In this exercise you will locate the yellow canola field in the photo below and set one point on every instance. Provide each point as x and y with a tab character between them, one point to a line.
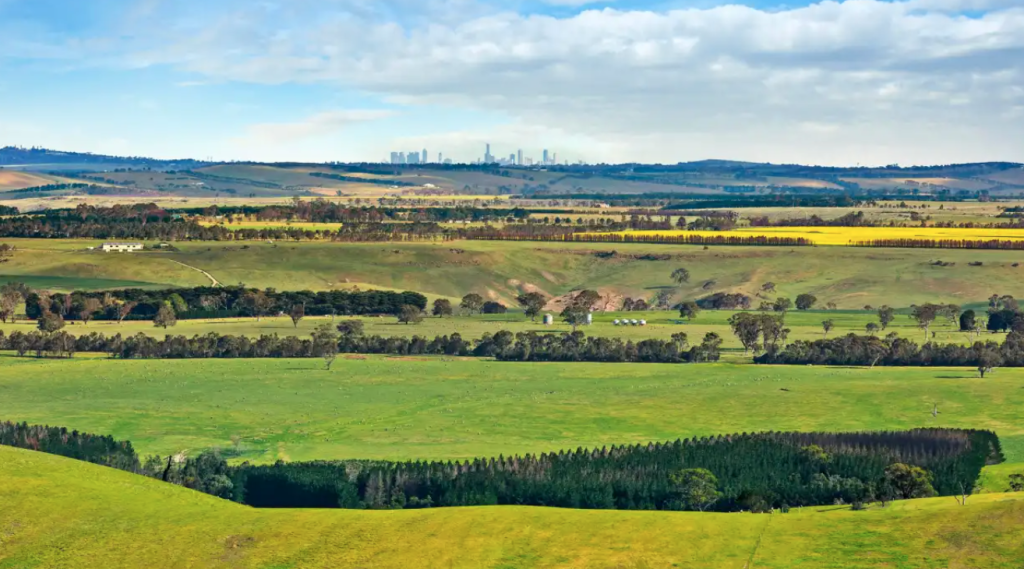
852	235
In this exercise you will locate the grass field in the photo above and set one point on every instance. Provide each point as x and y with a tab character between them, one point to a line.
852	235
850	277
64	514
438	408
16	180
660	324
59	513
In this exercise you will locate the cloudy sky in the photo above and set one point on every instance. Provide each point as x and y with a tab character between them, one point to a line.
860	81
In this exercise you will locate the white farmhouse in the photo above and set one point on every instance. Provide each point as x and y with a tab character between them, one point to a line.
121	247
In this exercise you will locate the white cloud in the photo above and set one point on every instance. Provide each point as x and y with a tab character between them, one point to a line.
852	81
320	124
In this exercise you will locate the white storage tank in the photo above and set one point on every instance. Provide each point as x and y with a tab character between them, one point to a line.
590	318
549	320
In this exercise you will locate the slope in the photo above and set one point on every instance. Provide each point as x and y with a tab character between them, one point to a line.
62	513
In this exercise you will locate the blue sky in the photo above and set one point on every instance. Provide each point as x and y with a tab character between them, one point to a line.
860	81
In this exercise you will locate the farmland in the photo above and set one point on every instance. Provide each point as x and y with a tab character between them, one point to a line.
804	325
48	500
853	235
443	408
850	277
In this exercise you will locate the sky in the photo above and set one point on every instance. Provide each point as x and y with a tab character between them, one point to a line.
838	83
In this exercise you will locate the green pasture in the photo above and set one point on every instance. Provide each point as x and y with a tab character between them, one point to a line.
803	325
449	408
60	513
850	277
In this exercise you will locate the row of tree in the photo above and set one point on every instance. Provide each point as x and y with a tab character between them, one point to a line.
208	302
756	472
895	351
753	472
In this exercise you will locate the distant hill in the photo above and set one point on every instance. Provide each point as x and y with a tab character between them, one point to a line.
134	175
15	157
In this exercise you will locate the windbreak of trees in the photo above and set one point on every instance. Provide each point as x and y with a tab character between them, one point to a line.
323	211
546	233
566	347
895	351
755	472
944	244
97	449
220	302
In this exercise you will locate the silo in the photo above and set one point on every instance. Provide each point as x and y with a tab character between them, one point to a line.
590	318
549	320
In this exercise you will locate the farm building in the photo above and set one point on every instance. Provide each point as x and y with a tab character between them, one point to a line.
118	247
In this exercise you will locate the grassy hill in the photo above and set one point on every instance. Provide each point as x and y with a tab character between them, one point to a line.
444	408
62	513
850	277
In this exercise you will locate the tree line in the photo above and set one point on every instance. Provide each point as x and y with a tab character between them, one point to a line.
756	472
753	472
348	337
895	351
211	302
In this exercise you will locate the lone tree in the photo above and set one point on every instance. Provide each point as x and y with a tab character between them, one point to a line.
586	299
697	488
325	343
827	326
782	304
710	348
681	276
871	328
905	482
806	301
988	360
442	307
1016	483
768	287
689	310
925	315
575	315
297	313
257	302
663	300
50	322
124	309
532	303
968	321
885	316
410	314
165	317
472	302
90	307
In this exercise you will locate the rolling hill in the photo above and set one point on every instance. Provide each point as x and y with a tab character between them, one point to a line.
60	513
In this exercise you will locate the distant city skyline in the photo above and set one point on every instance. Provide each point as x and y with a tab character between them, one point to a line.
516	158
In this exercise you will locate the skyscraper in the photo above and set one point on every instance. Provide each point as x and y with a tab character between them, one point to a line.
487	155
426	160
401	157
519	157
440	158
394	158
545	157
